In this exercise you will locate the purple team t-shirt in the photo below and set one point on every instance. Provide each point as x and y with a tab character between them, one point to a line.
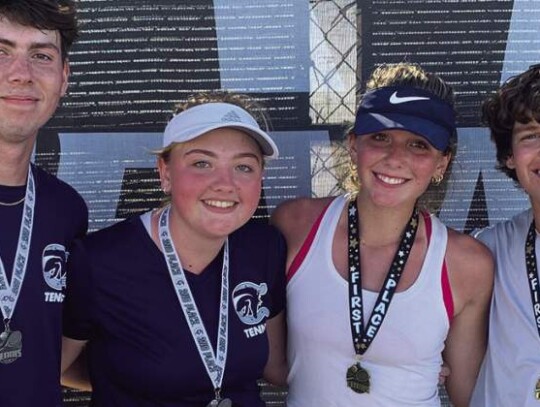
141	353
60	216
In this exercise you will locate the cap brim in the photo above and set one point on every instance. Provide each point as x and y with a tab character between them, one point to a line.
438	136
268	147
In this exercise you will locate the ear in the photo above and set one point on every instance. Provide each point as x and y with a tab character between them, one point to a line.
442	166
510	162
164	175
351	142
65	77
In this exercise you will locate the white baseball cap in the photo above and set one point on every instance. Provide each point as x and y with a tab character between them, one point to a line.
201	119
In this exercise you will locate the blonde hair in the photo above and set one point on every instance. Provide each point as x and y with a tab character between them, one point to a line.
409	74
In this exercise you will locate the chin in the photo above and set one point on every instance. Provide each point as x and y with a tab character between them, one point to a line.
224	231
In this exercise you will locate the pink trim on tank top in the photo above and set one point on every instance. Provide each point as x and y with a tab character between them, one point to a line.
445	282
302	253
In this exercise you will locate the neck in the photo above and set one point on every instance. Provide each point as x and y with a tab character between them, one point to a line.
195	252
382	226
14	161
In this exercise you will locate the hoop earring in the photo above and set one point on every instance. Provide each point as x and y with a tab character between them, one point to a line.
437	179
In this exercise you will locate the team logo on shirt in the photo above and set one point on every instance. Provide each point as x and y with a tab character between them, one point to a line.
54	271
247	300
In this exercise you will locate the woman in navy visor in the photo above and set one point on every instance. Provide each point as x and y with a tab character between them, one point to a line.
380	291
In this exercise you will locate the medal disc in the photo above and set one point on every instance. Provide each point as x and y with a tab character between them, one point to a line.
3	338
358	378
10	346
225	403
220	403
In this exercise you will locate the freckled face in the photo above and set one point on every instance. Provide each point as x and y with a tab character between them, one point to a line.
215	182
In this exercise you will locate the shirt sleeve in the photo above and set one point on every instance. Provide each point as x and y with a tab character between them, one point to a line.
486	236
79	301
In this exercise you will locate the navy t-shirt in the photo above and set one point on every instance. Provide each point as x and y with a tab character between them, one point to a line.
60	216
141	353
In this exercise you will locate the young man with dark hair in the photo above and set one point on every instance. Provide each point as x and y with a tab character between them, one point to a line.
510	374
40	215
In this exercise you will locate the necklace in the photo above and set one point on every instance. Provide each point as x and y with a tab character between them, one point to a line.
12	203
357	376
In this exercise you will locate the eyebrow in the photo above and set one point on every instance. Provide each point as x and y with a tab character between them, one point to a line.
212	154
33	45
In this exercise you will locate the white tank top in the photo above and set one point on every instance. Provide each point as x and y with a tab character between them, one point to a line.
511	366
403	360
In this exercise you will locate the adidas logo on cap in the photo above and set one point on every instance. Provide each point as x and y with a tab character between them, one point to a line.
232	116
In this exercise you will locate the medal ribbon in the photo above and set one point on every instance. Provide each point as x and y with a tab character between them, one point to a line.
362	338
214	363
532	272
9	293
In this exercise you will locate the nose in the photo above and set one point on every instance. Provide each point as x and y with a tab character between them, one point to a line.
396	154
20	70
224	180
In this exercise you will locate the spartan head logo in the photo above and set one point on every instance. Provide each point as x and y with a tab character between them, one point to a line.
54	266
247	300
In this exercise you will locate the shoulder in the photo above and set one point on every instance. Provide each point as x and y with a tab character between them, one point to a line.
124	234
298	215
44	179
53	188
506	230
466	248
470	267
65	208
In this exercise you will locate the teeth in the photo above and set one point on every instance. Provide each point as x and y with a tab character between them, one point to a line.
219	204
390	180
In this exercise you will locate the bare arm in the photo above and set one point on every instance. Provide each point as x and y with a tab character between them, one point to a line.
470	267
74	371
275	371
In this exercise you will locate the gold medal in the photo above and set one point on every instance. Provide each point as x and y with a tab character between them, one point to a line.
358	378
537	390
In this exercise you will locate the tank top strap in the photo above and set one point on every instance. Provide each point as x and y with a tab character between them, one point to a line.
437	232
321	233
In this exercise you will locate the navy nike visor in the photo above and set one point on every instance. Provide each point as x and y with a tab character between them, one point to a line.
406	108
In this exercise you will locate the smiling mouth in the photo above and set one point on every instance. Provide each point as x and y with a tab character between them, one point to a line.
20	99
220	204
390	180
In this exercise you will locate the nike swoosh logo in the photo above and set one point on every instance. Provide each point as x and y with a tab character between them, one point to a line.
396	100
